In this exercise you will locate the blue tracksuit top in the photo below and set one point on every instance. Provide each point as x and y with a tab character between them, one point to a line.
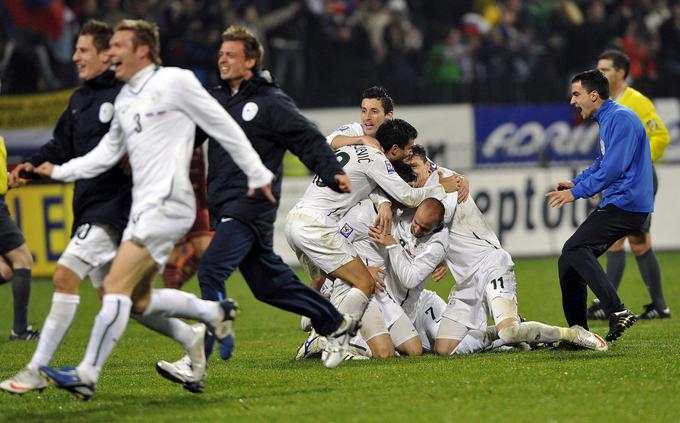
623	168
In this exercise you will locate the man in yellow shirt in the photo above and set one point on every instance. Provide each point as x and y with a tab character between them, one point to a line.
14	253
614	65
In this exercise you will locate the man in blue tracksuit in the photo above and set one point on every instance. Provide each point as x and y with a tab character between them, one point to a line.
623	173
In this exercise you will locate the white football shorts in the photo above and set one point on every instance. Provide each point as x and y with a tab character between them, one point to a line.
317	241
91	251
470	305
160	228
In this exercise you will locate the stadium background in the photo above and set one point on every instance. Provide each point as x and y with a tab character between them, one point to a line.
485	82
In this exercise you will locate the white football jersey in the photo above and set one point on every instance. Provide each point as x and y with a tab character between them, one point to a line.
350	130
471	239
354	226
367	168
155	117
411	262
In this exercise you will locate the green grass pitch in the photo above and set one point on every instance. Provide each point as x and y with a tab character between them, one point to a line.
638	379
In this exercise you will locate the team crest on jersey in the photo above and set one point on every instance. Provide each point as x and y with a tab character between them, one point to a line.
346	230
249	111
652	125
390	168
106	112
602	149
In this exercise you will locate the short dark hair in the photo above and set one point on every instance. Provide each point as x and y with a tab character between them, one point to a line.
593	80
379	93
101	34
395	131
619	59
251	47
144	34
419	151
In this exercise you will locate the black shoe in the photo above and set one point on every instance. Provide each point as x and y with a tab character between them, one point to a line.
619	322
652	312
28	335
595	311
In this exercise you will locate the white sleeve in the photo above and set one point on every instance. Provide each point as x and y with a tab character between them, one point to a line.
413	272
348	130
207	113
384	175
378	196
103	157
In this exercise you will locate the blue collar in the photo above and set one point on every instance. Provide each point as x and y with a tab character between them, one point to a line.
603	109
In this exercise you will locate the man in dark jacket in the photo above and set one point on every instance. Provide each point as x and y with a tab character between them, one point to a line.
244	225
100	205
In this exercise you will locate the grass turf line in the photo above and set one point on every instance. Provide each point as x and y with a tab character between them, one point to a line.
637	379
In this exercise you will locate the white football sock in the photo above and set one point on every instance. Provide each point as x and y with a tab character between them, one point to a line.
168	326
354	304
473	342
109	326
358	346
529	332
176	303
59	319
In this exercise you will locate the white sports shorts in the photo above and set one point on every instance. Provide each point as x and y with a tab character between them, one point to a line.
91	251
429	312
470	306
317	241
159	229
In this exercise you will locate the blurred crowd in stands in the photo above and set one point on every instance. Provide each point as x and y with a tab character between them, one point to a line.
324	52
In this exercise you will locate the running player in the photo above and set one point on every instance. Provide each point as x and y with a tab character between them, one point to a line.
155	117
100	205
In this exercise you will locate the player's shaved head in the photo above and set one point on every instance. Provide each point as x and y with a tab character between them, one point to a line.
428	217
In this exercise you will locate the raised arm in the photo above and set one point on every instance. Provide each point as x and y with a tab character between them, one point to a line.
207	113
103	157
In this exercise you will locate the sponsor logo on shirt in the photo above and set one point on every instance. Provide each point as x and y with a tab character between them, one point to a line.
390	168
343	128
346	230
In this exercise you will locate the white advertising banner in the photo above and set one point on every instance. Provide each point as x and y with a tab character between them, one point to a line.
514	204
447	131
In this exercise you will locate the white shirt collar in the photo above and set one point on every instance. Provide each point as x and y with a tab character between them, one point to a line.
141	76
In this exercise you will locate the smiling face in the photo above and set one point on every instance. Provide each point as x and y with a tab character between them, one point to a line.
125	57
373	115
232	62
420	168
585	102
89	62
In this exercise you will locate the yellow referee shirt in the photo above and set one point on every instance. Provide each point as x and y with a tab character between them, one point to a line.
3	167
644	108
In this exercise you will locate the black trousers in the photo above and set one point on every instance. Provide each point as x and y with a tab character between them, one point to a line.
578	265
269	278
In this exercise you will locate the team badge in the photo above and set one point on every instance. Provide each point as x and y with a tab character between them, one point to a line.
106	112
652	125
390	168
602	149
249	111
346	230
